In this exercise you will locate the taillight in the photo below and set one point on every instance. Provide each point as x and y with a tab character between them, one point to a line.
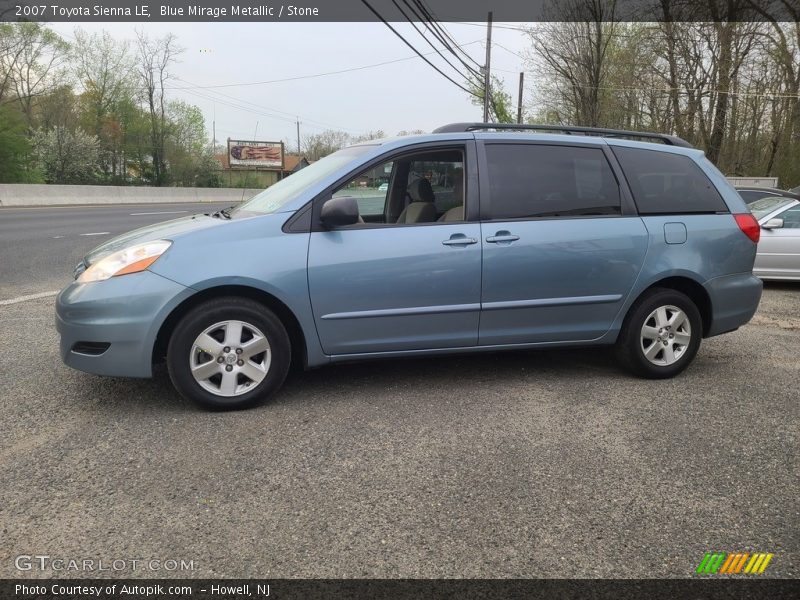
749	226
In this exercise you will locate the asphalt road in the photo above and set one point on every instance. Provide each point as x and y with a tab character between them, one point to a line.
526	464
40	246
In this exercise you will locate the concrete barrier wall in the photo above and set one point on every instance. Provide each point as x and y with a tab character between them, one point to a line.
20	194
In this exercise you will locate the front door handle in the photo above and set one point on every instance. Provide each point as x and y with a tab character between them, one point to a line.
459	239
502	237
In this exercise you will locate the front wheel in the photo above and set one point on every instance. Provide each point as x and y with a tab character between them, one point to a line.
228	353
661	334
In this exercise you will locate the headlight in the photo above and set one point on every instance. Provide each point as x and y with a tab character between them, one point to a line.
130	260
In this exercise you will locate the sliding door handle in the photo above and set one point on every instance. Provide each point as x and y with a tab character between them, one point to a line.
502	237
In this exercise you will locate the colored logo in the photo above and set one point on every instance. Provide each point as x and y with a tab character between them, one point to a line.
734	563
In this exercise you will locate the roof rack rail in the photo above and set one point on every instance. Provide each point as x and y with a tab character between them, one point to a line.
670	140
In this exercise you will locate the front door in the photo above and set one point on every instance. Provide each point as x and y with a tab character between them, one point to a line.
408	277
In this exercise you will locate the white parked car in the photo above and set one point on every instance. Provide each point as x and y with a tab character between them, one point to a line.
778	255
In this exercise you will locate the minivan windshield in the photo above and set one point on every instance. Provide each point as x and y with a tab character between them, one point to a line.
277	195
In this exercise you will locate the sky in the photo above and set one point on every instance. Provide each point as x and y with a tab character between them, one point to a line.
403	95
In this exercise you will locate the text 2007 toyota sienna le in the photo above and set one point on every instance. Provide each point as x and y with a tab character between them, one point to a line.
472	238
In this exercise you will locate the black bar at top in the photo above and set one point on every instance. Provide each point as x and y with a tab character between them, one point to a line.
357	10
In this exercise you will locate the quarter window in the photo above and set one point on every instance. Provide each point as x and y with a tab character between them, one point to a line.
663	183
538	180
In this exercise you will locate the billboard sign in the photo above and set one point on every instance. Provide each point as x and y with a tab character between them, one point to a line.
263	155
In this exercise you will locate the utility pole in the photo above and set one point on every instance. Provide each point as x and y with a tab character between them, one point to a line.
487	69
214	130
298	136
519	102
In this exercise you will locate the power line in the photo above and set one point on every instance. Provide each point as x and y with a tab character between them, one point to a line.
510	51
438	26
236	106
407	43
422	35
264	110
337	72
314	75
425	17
261	107
510	27
245	108
255	111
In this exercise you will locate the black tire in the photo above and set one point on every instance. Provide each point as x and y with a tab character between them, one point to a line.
630	347
207	314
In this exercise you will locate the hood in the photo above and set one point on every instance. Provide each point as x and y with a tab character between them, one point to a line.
166	230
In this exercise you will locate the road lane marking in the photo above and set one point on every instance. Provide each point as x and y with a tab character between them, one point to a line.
97	233
19	299
164	212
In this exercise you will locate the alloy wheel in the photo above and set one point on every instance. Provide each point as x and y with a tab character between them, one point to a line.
230	358
665	336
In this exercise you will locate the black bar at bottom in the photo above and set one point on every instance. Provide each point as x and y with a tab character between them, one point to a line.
706	588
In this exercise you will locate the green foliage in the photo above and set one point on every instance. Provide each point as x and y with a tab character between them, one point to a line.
15	149
500	106
187	152
92	112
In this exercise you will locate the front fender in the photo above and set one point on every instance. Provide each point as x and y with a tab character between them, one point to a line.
253	253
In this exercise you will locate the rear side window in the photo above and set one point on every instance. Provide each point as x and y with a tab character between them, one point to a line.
666	184
537	180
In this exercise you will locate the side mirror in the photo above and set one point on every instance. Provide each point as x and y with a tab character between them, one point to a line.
775	223
338	212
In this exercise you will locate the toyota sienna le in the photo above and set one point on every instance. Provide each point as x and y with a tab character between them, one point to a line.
477	237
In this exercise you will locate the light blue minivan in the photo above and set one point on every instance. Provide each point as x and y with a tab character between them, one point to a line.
477	237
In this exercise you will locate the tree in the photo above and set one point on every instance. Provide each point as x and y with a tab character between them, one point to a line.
59	108
708	71
155	57
67	156
187	150
500	107
104	67
573	56
784	41
31	57
317	145
370	135
15	148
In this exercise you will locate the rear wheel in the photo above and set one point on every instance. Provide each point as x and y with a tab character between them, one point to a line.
661	334
228	353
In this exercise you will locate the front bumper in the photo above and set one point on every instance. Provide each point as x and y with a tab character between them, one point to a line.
124	312
734	301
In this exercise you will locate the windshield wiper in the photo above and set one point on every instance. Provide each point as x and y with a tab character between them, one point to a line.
223	212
